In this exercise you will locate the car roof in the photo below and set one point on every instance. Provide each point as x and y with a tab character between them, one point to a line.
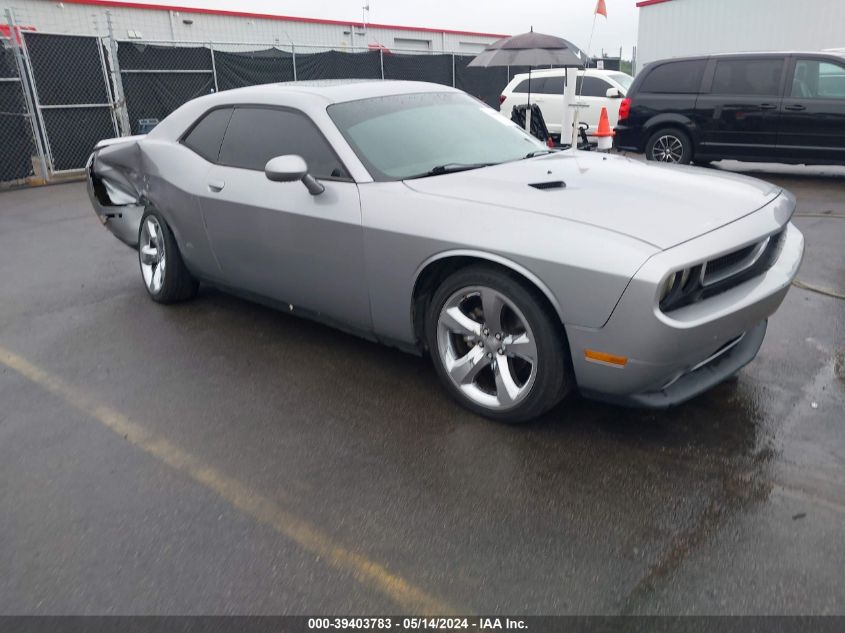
772	53
840	53
336	90
557	72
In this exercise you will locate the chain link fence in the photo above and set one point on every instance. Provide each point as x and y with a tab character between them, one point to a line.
72	95
60	94
157	79
18	152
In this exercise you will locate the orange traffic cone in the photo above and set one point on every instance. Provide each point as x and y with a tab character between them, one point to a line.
604	133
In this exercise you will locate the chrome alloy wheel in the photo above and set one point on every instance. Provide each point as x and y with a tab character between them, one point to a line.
487	347
152	254
668	148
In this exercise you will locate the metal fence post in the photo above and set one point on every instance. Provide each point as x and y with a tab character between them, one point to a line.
117	82
111	99
453	71
293	58
381	60
26	88
213	67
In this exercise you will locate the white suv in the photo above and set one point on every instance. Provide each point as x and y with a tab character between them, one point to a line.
547	92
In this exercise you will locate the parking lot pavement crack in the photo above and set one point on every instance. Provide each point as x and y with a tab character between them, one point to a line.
248	501
746	484
738	491
818	289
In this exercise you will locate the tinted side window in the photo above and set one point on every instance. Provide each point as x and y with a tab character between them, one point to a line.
747	77
206	136
815	79
675	77
255	135
552	85
536	85
593	87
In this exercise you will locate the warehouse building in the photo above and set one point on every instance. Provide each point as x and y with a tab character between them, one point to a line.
73	72
675	28
146	21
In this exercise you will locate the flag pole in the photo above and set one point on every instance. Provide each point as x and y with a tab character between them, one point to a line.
578	96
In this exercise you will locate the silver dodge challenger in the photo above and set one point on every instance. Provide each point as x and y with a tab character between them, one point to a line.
412	214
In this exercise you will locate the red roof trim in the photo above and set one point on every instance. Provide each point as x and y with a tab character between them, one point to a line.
269	16
6	32
646	3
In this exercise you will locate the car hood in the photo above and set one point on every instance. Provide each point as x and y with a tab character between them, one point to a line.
662	205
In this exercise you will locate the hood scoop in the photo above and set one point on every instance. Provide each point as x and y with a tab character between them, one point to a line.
545	186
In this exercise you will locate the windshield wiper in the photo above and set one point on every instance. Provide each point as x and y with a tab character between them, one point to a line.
539	152
450	168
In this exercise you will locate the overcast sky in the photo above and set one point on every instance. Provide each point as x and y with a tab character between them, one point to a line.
570	19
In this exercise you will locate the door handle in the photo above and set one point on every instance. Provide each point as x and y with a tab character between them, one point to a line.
216	185
795	108
768	106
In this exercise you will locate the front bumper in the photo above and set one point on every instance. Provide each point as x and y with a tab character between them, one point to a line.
673	357
713	370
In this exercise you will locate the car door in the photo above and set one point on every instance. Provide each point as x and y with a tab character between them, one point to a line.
275	239
812	118
739	107
538	96
593	97
550	99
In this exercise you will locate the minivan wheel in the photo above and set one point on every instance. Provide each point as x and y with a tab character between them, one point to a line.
669	145
495	346
165	275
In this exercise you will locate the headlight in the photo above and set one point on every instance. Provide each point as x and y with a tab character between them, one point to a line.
667	286
679	288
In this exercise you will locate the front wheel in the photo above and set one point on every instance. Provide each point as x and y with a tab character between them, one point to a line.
669	146
165	275
495	346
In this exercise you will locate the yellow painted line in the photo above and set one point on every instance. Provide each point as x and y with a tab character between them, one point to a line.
248	501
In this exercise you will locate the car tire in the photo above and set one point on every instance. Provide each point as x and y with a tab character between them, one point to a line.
669	145
513	378
165	275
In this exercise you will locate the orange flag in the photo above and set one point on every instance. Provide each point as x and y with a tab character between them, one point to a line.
601	8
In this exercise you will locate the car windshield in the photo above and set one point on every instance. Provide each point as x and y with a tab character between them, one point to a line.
623	79
412	135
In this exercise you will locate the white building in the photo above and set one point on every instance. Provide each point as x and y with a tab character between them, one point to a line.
163	22
675	28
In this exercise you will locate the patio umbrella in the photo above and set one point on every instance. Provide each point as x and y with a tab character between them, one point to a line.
531	49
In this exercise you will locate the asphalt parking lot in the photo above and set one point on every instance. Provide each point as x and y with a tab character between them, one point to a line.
219	457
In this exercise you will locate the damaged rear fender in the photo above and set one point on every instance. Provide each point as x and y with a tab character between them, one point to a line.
116	186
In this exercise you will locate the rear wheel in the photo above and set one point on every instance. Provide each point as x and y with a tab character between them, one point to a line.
495	346
669	145
165	275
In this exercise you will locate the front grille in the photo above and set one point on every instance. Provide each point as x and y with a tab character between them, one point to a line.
762	257
725	272
727	265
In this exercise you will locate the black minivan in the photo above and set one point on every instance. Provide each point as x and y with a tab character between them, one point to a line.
763	107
